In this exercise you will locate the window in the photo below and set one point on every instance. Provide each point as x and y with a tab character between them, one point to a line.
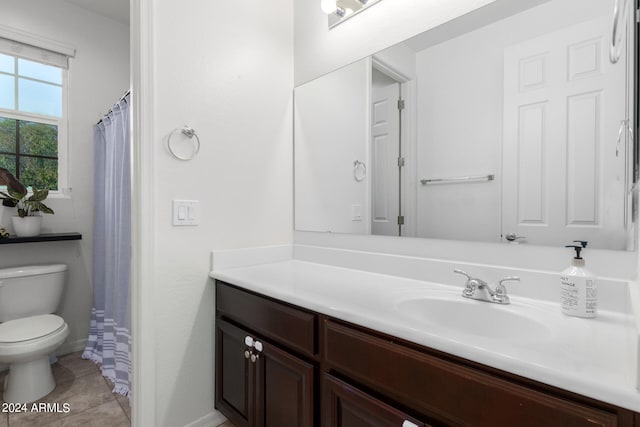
32	122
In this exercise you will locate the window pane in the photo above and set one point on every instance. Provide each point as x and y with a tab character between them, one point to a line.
7	135
38	139
39	71
39	98
7	63
7	92
8	162
39	173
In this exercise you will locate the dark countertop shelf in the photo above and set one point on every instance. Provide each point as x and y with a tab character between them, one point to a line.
51	237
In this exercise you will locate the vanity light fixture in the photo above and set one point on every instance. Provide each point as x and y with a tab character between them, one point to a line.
340	10
328	6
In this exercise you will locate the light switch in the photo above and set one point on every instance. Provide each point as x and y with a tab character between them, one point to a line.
186	212
356	212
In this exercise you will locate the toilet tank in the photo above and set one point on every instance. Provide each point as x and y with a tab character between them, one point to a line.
30	290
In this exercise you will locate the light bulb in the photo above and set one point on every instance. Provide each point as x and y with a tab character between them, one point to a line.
328	6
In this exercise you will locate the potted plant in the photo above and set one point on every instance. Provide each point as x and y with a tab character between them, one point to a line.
28	221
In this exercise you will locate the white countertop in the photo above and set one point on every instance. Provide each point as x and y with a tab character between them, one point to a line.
592	357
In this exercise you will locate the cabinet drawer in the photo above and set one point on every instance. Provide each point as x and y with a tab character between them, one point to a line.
346	406
291	327
444	391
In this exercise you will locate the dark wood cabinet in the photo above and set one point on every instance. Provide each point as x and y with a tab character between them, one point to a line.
344	405
234	390
447	392
260	379
278	365
284	389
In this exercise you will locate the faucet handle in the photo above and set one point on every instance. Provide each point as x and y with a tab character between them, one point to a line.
470	284
501	289
463	273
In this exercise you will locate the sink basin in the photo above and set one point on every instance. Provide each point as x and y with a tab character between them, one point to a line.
505	322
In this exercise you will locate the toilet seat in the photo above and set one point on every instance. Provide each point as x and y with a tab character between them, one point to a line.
29	328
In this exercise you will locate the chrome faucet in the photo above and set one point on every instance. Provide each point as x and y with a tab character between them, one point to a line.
479	289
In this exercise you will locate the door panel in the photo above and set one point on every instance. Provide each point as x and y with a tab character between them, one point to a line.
385	150
284	389
563	104
233	386
346	406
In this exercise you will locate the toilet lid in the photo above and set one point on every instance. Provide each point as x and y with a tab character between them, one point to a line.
29	328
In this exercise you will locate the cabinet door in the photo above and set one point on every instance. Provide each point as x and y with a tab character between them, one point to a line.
345	406
448	392
284	389
233	375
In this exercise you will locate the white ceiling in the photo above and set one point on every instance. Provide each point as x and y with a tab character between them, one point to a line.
117	10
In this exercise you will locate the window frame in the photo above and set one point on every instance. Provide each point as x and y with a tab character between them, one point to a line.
64	188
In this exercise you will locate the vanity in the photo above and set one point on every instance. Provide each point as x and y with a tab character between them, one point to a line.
306	344
476	140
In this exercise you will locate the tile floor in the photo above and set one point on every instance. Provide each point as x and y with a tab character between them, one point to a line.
88	393
91	402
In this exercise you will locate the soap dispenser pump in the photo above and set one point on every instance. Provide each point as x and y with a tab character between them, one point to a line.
578	293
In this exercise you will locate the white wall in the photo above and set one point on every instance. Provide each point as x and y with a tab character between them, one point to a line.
226	70
332	131
400	58
319	50
98	76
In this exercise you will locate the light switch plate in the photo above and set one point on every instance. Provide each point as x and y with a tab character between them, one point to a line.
186	212
356	212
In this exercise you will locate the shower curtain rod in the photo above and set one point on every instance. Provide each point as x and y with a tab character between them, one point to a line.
122	98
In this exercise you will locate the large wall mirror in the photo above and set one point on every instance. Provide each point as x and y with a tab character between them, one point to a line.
510	124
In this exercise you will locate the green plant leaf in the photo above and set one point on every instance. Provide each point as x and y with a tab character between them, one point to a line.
44	208
22	212
15	195
11	203
38	195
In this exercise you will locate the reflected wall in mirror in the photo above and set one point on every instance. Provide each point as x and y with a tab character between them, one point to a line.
508	124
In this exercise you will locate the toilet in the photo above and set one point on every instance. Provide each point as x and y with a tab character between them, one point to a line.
29	331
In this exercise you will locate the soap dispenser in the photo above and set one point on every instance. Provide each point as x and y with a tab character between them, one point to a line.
578	293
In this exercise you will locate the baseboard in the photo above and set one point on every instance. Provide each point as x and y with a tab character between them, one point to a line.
212	419
71	347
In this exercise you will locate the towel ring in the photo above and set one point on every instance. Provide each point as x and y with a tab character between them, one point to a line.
189	132
359	170
620	11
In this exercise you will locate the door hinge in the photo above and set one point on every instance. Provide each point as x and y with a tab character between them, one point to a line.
400	219
400	104
400	162
637	16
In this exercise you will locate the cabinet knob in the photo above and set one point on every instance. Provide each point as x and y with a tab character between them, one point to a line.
258	346
408	423
248	341
247	353
254	357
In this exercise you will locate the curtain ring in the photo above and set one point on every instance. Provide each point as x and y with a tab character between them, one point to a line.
359	170
190	133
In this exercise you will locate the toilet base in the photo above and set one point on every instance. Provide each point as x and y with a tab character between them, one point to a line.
29	381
